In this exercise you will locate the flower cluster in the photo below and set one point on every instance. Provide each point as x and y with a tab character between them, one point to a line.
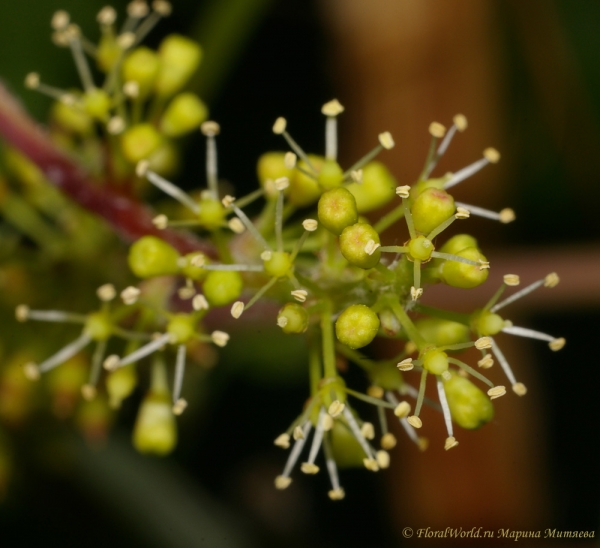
338	282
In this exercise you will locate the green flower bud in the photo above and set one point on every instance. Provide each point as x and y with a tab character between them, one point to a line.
357	326
72	118
279	264
212	213
420	248
354	242
141	66
190	268
99	326
457	243
377	188
139	142
462	275
346	450
385	375
469	406
271	166
443	332
389	323
120	384
486	323
330	174
96	103
182	328
435	361
165	159
222	287
185	113
337	210
179	58
431	208
293	318
155	430
305	190
150	256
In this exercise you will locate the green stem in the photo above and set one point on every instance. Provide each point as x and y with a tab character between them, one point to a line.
328	340
356	357
389	219
314	366
406	323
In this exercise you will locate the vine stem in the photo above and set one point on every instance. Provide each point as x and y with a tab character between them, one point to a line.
129	218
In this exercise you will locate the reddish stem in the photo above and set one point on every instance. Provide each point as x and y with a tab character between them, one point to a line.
130	219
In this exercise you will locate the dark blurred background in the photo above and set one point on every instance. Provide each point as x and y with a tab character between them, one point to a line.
527	76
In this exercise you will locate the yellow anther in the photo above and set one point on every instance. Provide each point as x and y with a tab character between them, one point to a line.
137	9
300	295
491	155
405	365
423	444
111	362
32	80
410	347
309	468
236	225
162	7
130	294
483	343
298	433
126	40
367	430
462	213
310	225
199	302
371	247
403	191
460	121
220	338
402	410
507	215
332	108
289	160
519	389
415	421
327	423
279	125
557	344
388	441
107	16
282	321
415	293
266	255
484	265
383	459
283	441
22	313
336	494
60	20
210	128
115	125
357	176
237	309
131	89
336	408
106	292
282	482
282	183
228	200
437	130
551	280
375	392
31	371
496	392
142	168
371	464
179	406
386	140
88	392
511	279
486	362
450	443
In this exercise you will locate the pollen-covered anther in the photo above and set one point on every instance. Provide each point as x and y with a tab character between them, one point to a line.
388	441
332	108
327	423
310	225
282	482
106	16
484	265
237	309
557	344
437	130
402	410
367	430
227	201
357	176
383	459
137	9
415	421
31	371
22	313
309	468
491	155
283	441
512	279
130	295
386	140
486	362
131	89
415	292
187	292
519	389
279	125
371	464
460	121
106	292
60	20
462	213
210	128
336	494
507	215
551	280
235	225
160	221
179	406
483	343
111	362
496	392
371	247
88	392
375	392
266	255
403	191
32	80
336	408
162	7
142	168
126	40
300	295
450	443
282	183
289	160
220	338
199	302
115	125
298	433
405	365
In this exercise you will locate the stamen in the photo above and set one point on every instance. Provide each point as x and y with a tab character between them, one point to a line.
237	309
470	371
383	459
296	450
367	430
402	410
455	258
443	226
496	392
283	441
290	160
385	141
72	33
236	225
310	225
357	433
486	362
141	352
405	365
65	353
511	279
106	16
371	247
404	422
24	313
516	296
250	226
357	176
415	421
503	363
160	221
403	191
235	267
551	280
106	292
507	215
416	292
298	433
375	392
199	302
445	409
300	295
220	338
282	482
166	186
519	389
89	390
115	125
529	333
437	130
60	20
557	344
179	372
161	8
336	493
388	441
336	408
310	467
210	129
468	171
259	293
450	443
130	295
